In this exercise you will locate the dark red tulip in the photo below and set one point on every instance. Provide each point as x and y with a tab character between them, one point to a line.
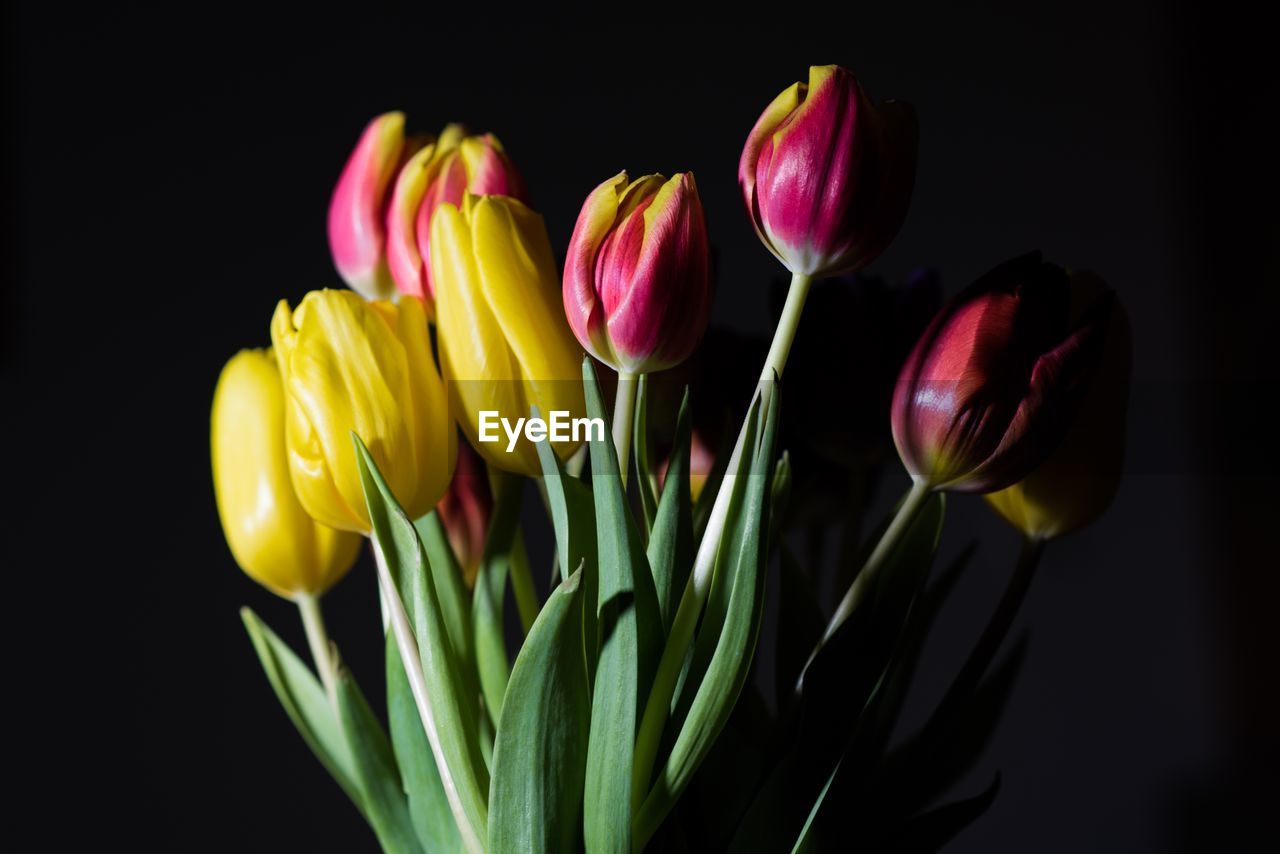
987	391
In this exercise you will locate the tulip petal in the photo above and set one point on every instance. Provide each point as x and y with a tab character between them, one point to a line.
403	257
356	210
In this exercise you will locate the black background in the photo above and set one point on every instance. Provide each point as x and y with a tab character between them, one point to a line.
168	174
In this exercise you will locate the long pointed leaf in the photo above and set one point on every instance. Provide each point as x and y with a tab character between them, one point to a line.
428	804
630	638
671	543
539	756
305	702
573	515
733	646
376	770
426	653
491	583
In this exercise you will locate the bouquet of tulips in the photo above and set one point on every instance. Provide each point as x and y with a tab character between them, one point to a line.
415	408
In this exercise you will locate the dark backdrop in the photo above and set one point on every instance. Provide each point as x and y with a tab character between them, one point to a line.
168	174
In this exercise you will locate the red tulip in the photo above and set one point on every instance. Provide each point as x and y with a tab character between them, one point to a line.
637	281
827	175
984	396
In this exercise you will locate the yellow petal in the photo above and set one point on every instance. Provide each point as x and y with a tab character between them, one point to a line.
271	537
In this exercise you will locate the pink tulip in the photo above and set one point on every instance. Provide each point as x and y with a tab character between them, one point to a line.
987	391
827	175
441	174
357	209
637	282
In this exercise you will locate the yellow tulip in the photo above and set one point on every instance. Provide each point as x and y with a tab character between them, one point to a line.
351	366
505	344
272	538
1077	481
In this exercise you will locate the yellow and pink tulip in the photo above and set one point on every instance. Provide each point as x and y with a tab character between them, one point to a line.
827	175
439	174
637	280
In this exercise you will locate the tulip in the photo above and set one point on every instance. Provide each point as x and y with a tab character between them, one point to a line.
357	210
827	175
465	511
271	537
504	343
1076	483
984	396
351	366
637	283
440	174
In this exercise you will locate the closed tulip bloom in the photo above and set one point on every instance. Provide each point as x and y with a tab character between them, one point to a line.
440	174
357	209
637	282
987	391
1077	481
351	366
465	511
271	537
827	175
504	343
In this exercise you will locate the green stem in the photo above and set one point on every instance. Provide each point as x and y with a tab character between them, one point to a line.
318	640
785	334
658	706
866	577
624	407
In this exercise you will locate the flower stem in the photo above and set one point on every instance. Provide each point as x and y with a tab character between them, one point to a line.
318	640
785	333
866	577
624	408
658	706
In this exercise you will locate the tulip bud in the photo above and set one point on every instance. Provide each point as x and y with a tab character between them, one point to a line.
465	511
441	174
1077	481
357	210
504	343
827	175
272	538
984	396
637	283
351	366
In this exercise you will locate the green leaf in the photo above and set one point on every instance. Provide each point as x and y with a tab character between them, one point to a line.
431	668
451	587
630	639
806	842
305	702
727	641
428	804
376	770
491	583
539	757
646	480
455	606
671	543
573	515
